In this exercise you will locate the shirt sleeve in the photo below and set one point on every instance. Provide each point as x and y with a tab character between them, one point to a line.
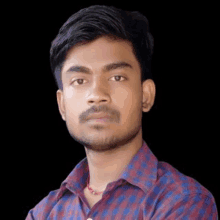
196	206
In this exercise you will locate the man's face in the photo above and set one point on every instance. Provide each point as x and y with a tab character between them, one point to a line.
117	92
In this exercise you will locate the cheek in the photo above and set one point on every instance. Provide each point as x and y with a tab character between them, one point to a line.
128	102
73	100
68	92
70	105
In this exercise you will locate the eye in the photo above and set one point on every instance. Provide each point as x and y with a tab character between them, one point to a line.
80	80
118	76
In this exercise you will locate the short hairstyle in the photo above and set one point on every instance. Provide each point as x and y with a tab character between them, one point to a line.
96	21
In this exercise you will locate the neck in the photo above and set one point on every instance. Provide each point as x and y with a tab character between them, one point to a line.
106	167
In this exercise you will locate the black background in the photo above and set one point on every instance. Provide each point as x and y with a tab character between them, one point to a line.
180	129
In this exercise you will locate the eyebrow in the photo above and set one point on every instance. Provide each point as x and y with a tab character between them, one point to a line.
106	68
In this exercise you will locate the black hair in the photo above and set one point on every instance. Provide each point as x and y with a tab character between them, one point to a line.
95	21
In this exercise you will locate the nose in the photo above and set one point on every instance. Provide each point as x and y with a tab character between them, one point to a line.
99	94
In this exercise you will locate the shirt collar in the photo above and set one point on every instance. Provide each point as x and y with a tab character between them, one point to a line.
141	172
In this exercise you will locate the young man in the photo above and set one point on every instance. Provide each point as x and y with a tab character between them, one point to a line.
101	62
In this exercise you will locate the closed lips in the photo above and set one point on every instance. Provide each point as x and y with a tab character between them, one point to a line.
98	116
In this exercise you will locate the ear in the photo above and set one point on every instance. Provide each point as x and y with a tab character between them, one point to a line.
61	104
149	92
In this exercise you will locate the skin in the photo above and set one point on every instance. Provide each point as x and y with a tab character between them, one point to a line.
109	146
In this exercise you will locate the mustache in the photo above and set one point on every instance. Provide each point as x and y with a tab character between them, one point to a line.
115	115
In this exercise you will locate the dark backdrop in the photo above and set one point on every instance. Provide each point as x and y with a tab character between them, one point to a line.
181	128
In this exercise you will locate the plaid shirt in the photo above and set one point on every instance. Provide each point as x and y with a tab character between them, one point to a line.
147	189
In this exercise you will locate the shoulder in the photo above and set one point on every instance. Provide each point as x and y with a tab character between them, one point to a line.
43	208
174	180
176	195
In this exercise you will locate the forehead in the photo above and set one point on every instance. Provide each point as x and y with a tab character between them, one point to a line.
100	52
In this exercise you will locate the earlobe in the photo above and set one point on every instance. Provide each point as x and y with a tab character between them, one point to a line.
146	107
60	103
